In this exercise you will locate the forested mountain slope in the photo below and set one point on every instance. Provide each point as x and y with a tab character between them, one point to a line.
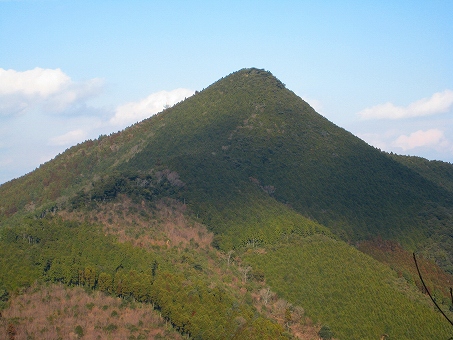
437	172
239	190
248	132
248	135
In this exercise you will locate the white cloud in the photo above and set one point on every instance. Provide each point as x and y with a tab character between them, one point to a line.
69	138
51	90
42	82
438	103
420	138
136	111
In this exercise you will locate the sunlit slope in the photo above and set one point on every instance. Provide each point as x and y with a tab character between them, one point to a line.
358	297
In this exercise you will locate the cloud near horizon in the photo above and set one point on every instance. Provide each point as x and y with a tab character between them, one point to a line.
420	138
439	102
49	89
136	111
69	138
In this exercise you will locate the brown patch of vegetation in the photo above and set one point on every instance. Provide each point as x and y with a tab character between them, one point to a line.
59	312
268	303
144	225
401	260
292	318
166	224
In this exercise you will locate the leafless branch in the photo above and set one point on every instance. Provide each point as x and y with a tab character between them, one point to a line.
427	291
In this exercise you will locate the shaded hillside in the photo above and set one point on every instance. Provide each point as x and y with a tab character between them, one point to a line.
249	130
440	173
438	219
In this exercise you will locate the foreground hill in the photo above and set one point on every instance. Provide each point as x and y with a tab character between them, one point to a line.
276	184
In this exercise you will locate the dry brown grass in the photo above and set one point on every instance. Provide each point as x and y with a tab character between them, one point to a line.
275	308
59	312
165	224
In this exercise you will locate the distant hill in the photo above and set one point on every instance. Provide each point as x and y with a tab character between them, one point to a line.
274	182
438	172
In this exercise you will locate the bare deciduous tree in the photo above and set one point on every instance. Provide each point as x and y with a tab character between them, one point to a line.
229	256
245	271
265	294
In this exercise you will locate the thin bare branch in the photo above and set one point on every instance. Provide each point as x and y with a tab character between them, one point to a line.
427	291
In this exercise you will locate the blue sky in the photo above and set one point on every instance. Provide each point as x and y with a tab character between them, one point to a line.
72	70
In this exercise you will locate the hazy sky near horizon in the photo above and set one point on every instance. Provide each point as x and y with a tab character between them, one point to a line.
72	70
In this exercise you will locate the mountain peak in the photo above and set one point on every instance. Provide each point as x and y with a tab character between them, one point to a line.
253	75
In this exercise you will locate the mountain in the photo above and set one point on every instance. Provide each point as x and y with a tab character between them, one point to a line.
441	173
252	165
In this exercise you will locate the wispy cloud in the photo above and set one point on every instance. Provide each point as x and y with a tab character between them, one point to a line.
49	89
44	111
427	137
438	103
420	138
69	138
135	111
